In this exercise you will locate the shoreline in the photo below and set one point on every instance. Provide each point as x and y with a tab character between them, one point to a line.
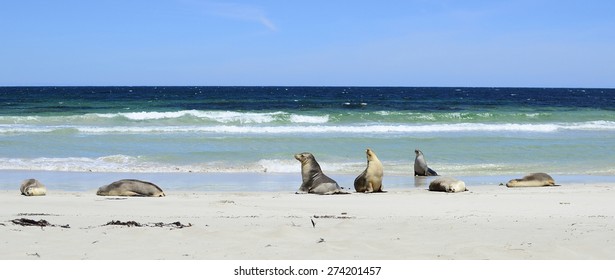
573	221
249	181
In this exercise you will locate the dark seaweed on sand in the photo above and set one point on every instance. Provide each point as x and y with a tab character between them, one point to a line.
40	223
136	224
119	223
332	217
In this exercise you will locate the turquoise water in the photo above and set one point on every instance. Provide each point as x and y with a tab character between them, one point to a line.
462	132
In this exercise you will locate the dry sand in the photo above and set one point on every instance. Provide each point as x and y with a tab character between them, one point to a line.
488	222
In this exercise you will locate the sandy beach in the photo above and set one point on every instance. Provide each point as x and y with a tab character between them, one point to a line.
573	221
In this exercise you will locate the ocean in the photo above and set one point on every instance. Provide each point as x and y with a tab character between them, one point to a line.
222	131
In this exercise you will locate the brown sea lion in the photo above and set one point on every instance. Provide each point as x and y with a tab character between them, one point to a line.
130	187
371	179
420	165
313	180
32	187
447	184
532	180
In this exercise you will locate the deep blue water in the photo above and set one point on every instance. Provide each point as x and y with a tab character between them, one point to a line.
69	100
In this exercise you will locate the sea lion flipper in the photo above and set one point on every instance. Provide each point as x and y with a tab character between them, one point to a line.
131	193
431	172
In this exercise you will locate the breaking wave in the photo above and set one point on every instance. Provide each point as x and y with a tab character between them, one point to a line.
314	129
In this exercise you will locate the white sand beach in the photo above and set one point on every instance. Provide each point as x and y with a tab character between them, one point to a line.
573	221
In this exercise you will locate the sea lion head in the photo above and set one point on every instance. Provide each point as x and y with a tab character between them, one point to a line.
28	191
514	183
304	158
371	155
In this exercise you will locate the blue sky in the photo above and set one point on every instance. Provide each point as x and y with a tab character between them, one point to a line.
308	43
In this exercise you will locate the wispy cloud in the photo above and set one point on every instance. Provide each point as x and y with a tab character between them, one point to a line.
238	11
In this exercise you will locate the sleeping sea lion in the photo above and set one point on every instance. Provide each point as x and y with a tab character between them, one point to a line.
313	180
371	179
447	184
420	165
32	187
130	187
532	180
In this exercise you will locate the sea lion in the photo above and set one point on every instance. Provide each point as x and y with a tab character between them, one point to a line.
447	184
130	187
532	180
420	165
32	187
313	180
371	179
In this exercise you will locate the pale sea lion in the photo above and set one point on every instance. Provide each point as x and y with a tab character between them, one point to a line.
371	179
420	165
532	180
447	184
313	180
32	187
130	187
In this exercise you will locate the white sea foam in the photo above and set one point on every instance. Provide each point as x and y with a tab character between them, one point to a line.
309	119
319	129
127	164
19	129
280	166
123	163
218	116
112	163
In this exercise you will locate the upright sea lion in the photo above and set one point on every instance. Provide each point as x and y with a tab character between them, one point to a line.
313	180
447	184
532	180
420	165
371	179
32	187
130	187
